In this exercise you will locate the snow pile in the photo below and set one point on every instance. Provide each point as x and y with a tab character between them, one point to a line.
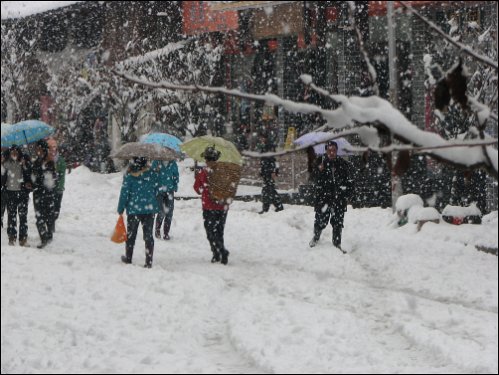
458	211
404	202
417	214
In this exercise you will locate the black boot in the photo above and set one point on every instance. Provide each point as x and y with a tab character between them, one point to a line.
42	244
337	238
127	258
166	231
225	257
216	257
149	252
265	208
316	238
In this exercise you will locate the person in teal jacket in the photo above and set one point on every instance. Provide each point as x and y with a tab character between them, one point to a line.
168	185
138	198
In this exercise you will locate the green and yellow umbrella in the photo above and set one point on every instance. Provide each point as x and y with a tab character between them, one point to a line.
196	146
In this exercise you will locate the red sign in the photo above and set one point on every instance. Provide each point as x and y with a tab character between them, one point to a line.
198	18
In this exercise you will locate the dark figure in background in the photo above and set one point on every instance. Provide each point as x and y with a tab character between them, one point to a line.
100	144
311	164
168	178
60	166
138	196
242	140
334	186
4	181
214	214
17	171
44	178
269	170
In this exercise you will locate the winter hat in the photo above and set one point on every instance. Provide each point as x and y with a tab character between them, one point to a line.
15	148
211	154
331	143
44	146
137	164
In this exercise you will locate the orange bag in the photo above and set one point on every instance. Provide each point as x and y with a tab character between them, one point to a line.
119	235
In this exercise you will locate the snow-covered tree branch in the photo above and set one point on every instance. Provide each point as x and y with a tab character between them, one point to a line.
353	111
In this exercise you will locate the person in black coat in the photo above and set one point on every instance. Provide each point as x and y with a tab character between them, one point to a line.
4	184
44	178
269	171
16	180
333	188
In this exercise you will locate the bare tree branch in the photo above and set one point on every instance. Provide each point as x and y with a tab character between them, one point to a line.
370	67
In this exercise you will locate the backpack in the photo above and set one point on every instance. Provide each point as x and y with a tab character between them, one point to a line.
223	179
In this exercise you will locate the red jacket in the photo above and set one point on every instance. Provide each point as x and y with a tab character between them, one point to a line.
201	187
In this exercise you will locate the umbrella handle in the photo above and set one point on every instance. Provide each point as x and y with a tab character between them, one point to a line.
26	138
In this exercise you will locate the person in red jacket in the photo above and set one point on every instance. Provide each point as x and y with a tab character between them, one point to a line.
214	214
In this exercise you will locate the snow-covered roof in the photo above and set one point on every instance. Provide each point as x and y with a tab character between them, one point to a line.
20	9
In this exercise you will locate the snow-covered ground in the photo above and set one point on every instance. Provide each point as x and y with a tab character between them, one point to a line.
400	301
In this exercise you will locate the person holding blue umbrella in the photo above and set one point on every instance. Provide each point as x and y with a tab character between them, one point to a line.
44	178
168	178
16	175
25	132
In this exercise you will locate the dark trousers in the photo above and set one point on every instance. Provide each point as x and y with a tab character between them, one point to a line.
133	221
214	223
43	201
17	205
4	202
167	204
333	213
270	196
57	204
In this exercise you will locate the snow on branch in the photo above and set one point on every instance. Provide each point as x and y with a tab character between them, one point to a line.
363	110
137	60
466	49
384	150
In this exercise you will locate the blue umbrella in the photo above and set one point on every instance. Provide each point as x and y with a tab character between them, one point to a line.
165	140
25	132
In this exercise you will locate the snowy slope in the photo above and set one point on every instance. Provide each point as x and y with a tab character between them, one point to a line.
401	301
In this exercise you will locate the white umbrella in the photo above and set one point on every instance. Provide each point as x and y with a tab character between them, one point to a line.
314	137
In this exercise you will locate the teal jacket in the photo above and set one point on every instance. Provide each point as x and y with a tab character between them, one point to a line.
138	193
168	176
